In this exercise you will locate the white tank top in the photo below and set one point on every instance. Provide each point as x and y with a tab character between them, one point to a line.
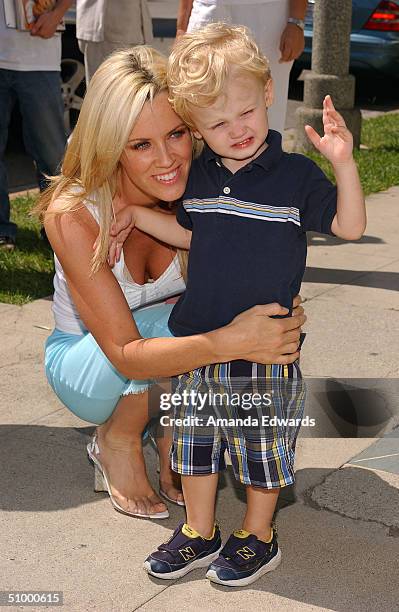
66	316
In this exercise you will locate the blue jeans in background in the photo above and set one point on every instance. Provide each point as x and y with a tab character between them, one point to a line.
40	101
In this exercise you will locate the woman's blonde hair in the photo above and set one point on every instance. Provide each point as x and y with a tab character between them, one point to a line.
114	100
201	61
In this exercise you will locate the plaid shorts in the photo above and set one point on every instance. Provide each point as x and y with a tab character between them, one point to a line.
251	410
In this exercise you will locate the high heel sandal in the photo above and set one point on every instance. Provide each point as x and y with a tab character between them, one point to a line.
101	483
170	499
161	491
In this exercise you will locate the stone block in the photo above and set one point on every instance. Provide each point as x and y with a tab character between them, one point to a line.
314	117
331	33
340	88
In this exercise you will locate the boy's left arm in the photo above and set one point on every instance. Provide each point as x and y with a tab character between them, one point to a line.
336	145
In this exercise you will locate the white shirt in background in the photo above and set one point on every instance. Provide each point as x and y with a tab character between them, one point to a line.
21	51
119	21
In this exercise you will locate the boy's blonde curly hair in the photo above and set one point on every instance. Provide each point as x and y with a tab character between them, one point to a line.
200	62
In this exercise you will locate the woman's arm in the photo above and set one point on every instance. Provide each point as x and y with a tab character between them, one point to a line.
292	41
183	16
253	335
298	8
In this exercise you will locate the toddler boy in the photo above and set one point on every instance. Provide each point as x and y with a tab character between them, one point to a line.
244	216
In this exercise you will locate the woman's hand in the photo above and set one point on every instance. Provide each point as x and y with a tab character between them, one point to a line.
337	143
296	305
46	24
255	336
292	43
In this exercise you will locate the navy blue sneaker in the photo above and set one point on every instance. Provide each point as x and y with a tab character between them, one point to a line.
244	559
185	551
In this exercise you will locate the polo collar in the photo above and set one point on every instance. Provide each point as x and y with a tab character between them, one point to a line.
266	160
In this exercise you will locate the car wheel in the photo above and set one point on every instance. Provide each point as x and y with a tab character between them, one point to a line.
73	88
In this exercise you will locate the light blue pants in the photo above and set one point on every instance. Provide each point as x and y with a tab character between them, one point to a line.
84	379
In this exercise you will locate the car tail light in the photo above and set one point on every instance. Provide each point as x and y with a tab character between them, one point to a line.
385	17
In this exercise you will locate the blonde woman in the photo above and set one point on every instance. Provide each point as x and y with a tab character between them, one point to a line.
130	147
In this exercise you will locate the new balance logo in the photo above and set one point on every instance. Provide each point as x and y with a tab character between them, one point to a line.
187	553
246	552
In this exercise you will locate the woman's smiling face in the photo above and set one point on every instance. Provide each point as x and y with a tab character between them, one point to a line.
157	158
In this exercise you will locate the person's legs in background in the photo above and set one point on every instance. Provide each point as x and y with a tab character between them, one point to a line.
42	110
95	53
267	21
8	230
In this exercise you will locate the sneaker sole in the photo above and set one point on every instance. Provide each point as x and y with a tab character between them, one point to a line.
272	565
199	563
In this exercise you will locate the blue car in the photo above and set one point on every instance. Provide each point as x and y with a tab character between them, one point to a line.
374	38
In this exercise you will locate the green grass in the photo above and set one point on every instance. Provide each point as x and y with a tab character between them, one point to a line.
27	272
379	163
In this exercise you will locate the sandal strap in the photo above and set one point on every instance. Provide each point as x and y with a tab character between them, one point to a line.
94	446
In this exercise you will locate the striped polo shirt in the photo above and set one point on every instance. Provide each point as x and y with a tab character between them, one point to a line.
249	229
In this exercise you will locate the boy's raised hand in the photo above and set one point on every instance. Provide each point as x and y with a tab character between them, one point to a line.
337	143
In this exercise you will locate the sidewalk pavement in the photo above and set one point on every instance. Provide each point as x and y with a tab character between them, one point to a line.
338	527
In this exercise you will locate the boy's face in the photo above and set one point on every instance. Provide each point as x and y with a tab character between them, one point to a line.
235	126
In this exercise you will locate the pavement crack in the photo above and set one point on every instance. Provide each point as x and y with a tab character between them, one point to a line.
394	533
172	582
306	496
25	360
308	500
8	365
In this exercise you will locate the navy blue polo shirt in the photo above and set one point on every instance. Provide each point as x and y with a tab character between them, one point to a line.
249	229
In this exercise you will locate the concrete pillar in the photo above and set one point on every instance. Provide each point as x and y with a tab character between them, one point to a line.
329	74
